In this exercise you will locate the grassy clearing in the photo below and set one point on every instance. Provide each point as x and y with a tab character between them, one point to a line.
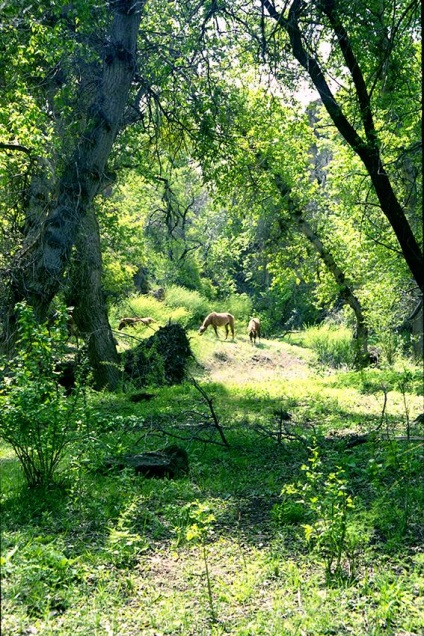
118	554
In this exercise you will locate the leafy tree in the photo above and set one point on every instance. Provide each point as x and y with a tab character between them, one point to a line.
389	32
85	113
149	90
364	46
271	169
90	84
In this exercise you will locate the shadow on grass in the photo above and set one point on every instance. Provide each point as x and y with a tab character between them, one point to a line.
241	484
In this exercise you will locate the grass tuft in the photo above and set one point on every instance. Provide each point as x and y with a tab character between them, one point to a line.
222	550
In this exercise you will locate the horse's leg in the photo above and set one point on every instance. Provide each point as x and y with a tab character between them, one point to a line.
216	330
226	331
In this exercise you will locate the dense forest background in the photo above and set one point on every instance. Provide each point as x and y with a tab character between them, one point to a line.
161	160
272	151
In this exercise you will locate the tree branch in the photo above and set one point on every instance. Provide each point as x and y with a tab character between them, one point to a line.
214	417
15	147
355	71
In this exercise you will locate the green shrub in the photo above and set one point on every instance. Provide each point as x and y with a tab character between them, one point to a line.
332	344
39	576
323	503
184	306
123	544
36	418
141	305
240	305
196	523
289	511
194	303
188	308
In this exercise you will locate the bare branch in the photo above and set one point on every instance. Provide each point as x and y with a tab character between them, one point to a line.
214	417
15	147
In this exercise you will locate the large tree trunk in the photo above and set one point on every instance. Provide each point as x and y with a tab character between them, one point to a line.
90	311
367	149
36	273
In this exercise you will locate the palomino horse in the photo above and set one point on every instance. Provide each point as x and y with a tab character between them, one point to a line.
218	320
131	322
254	329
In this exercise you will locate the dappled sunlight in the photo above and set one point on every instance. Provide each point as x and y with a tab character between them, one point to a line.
211	319
240	362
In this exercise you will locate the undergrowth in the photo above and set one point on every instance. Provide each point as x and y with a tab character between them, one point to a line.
309	533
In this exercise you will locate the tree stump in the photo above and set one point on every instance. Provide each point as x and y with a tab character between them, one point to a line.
161	359
171	462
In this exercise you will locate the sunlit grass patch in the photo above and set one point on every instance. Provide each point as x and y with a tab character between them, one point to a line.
121	533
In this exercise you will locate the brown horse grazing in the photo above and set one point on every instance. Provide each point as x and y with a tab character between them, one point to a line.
254	329
131	322
218	320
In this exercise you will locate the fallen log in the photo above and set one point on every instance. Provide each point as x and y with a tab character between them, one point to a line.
356	440
171	462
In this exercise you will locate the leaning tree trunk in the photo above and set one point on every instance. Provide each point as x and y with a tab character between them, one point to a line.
361	340
37	270
362	357
90	311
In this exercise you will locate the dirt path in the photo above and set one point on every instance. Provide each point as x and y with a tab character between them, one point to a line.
240	362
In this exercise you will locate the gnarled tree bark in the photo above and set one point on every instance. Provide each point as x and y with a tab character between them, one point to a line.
361	341
90	311
37	270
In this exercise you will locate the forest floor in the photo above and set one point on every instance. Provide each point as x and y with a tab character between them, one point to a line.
223	550
242	362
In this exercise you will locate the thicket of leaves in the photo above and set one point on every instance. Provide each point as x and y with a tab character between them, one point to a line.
37	418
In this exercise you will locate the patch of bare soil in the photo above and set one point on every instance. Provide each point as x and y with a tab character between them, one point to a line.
250	518
244	363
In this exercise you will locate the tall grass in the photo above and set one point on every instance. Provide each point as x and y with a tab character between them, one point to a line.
187	307
198	307
195	305
333	345
140	306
